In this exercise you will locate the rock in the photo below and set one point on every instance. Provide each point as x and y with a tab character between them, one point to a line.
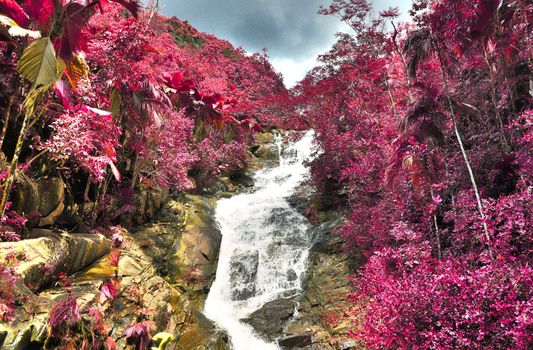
26	197
203	335
45	196
243	180
291	275
147	203
52	197
169	265
264	137
270	318
268	152
183	242
297	341
285	218
47	253
196	251
243	271
326	287
349	344
265	152
326	240
41	258
299	200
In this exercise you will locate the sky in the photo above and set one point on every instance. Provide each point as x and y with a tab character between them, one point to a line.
291	30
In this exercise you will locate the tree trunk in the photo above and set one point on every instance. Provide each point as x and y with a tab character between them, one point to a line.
463	151
405	68
6	121
13	167
437	233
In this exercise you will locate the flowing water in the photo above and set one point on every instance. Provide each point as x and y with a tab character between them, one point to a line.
264	248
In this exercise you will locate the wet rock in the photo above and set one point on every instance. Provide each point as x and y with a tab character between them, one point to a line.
242	180
327	240
285	218
266	152
299	200
291	275
326	287
243	272
270	318
297	341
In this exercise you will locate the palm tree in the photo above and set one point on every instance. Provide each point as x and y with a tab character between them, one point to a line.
420	46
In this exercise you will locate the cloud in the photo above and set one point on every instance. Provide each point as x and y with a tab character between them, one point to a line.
292	30
288	28
293	71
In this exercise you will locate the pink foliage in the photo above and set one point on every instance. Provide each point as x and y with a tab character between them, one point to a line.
431	279
140	333
8	279
64	315
86	138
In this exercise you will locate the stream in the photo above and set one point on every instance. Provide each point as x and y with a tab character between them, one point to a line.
265	246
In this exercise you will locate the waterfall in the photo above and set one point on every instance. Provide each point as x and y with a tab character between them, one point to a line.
264	248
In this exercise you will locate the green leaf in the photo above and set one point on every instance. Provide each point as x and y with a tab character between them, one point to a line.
38	63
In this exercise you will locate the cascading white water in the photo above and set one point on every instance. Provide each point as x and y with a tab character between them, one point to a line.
264	248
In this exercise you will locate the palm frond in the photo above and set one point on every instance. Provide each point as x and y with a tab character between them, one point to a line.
418	47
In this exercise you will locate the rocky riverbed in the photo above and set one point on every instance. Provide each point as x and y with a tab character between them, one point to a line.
167	268
314	320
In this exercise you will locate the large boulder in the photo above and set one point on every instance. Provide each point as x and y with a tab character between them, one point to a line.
184	242
52	198
196	250
47	253
26	196
298	341
41	259
45	196
269	320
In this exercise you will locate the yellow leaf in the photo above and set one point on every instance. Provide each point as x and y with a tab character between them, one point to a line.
16	30
76	70
38	63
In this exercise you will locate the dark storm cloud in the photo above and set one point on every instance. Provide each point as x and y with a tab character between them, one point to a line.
288	28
